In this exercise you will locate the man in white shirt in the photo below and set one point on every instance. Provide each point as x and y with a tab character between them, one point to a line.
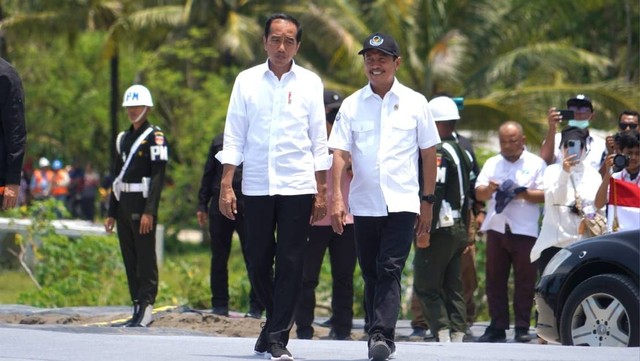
275	126
383	126
512	183
583	113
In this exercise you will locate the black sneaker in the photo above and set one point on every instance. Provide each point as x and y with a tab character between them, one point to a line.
279	352
379	350
418	334
221	311
522	335
262	343
134	316
493	335
253	313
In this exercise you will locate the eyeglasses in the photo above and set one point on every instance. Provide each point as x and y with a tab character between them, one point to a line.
624	126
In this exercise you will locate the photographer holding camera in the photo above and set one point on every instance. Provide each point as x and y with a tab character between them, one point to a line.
622	195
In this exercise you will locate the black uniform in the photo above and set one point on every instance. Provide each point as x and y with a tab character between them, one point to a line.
221	228
139	250
13	132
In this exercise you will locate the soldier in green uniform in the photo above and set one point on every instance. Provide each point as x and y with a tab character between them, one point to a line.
143	155
437	281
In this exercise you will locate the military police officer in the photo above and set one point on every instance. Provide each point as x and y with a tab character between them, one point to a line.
140	169
437	281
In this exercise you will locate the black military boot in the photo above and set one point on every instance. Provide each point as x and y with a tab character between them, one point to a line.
144	317
134	315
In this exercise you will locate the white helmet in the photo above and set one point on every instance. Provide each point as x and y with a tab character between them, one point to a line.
137	95
443	109
43	162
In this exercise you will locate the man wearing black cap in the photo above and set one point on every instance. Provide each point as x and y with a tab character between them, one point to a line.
383	126
342	255
583	113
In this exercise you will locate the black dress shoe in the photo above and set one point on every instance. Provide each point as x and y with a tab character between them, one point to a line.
493	335
522	335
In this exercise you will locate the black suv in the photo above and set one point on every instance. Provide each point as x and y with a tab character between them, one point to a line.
588	293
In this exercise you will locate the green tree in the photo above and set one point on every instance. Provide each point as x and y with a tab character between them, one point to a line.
123	20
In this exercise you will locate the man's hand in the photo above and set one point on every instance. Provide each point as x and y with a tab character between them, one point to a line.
202	218
109	222
319	210
424	219
146	223
10	198
553	117
423	240
611	144
227	203
338	215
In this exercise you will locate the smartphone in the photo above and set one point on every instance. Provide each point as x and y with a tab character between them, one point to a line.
574	147
567	114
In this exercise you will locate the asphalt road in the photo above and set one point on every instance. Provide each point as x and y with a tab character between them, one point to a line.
78	343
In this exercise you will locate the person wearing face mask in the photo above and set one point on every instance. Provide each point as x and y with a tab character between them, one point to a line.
560	225
512	183
582	108
143	156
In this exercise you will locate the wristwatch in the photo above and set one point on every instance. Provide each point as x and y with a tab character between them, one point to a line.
429	198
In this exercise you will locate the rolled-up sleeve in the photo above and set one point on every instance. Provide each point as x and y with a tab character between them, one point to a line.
235	128
318	130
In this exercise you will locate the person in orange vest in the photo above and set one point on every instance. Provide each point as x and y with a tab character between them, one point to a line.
60	184
41	180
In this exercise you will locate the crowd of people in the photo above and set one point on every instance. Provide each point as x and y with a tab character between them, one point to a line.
365	177
80	188
400	176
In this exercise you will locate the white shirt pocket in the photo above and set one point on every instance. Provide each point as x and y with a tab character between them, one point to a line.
363	134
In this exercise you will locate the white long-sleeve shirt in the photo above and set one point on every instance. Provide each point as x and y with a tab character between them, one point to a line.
277	128
560	225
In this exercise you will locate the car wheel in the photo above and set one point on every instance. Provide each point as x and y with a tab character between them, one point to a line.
601	311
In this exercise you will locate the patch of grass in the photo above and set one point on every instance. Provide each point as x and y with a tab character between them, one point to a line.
12	283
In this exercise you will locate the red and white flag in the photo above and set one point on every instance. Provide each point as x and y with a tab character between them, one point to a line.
625	196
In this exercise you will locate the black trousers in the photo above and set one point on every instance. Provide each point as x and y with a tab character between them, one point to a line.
138	250
289	215
383	245
221	230
342	255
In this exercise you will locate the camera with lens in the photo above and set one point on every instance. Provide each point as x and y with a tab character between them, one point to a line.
620	161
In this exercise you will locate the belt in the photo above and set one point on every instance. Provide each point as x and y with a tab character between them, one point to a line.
132	187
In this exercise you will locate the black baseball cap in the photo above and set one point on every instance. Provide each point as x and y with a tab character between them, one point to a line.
379	41
332	99
580	100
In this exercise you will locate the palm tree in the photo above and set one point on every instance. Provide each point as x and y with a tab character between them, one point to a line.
120	20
